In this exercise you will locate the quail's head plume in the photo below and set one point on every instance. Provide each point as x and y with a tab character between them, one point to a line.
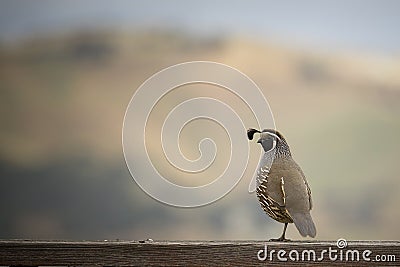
282	188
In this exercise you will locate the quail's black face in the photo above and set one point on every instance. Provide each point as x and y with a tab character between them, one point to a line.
269	138
268	142
272	141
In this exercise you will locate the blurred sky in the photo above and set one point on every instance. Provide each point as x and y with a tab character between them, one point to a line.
370	25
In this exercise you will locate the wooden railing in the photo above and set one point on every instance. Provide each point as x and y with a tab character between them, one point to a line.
198	253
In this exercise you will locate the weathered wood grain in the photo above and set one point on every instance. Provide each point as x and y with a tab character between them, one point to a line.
186	253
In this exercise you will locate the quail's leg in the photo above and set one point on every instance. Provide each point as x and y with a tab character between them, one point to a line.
282	237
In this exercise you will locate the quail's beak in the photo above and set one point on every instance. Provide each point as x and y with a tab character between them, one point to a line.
259	141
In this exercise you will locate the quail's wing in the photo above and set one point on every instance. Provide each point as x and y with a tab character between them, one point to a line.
296	192
297	196
306	183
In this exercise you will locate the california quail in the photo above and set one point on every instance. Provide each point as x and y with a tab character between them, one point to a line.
282	188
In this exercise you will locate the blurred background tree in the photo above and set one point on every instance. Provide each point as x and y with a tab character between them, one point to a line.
330	71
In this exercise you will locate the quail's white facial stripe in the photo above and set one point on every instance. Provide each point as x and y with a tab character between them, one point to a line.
274	135
273	144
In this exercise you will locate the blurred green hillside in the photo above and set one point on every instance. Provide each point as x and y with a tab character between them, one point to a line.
62	103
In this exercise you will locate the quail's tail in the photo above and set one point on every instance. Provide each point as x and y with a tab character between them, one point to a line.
304	223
